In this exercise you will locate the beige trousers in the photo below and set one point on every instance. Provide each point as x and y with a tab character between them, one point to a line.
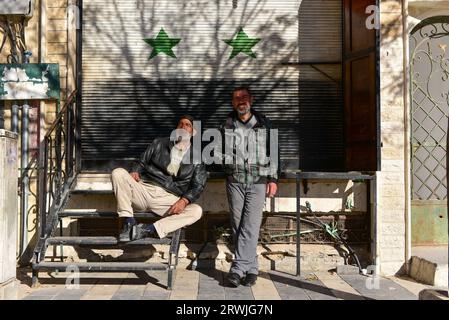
142	197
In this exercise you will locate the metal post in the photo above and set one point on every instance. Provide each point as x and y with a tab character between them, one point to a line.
447	184
61	246
374	231
298	226
15	118
42	191
25	178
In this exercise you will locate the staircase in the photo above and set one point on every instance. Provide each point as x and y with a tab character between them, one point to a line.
57	176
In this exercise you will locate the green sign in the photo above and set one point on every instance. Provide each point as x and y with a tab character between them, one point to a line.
30	81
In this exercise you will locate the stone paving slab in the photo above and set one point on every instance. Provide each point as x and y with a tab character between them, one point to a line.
264	289
382	289
316	289
74	294
310	284
212	284
410	284
155	295
239	293
340	288
104	289
289	287
35	297
185	286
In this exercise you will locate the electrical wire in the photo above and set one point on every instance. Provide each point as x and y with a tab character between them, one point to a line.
14	31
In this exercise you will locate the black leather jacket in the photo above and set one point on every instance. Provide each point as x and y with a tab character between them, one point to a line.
152	168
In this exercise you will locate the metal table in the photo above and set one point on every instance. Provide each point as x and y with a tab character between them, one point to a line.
371	198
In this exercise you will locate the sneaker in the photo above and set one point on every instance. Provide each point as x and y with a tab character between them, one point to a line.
140	232
234	279
250	280
125	234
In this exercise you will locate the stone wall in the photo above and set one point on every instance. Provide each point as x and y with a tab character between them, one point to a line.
391	206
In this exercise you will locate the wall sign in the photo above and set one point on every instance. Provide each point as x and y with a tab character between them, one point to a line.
31	81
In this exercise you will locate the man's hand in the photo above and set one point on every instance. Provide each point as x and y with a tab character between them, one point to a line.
272	188
178	207
135	176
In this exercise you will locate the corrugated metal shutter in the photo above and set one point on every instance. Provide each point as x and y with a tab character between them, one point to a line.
320	86
128	100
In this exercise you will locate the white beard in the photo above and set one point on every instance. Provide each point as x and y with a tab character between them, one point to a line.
244	111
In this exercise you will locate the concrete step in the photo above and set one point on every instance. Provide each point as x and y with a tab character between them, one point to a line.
270	256
429	265
93	182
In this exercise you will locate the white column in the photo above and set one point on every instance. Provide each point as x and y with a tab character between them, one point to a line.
8	212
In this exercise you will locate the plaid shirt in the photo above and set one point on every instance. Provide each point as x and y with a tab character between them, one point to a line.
241	170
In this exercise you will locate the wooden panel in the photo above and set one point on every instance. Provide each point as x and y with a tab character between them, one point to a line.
358	37
321	119
360	79
360	94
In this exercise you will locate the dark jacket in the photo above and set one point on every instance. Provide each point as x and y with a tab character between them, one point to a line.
152	168
254	170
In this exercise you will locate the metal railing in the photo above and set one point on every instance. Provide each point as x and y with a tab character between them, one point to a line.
26	188
56	166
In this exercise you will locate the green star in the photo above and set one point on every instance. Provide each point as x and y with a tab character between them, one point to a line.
242	43
162	43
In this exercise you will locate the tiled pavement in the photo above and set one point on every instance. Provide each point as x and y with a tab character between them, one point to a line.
210	284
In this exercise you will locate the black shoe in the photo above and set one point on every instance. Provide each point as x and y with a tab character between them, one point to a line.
140	232
125	234
234	279
249	280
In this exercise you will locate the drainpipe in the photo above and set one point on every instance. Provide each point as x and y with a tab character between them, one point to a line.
407	138
24	186
25	181
2	114
15	118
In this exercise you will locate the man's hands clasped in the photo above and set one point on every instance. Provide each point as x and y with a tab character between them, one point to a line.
178	207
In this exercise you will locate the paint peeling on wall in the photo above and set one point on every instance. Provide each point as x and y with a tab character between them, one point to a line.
29	82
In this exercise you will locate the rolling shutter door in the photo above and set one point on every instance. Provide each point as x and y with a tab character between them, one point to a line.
362	100
128	100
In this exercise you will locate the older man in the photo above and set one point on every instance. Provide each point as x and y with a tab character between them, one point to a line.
249	181
164	181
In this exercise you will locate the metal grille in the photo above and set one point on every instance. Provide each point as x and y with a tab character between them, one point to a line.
128	100
430	93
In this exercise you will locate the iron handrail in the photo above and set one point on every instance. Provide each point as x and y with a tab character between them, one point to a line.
69	102
57	168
